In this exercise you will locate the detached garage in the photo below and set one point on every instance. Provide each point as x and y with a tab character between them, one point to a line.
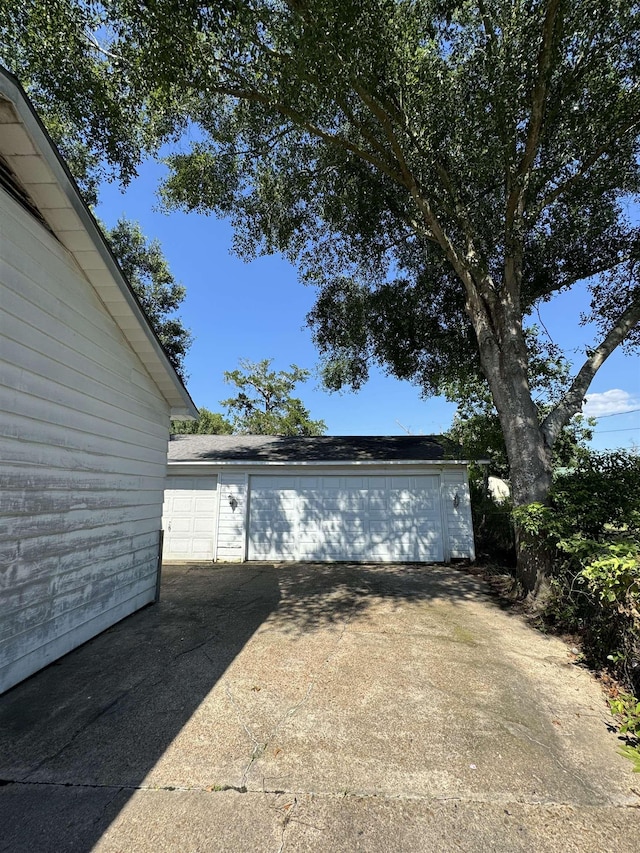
357	498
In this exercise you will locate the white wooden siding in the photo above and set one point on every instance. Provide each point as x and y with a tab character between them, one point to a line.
458	521
232	515
83	431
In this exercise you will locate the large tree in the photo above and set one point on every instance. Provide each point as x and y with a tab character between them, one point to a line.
264	404
437	169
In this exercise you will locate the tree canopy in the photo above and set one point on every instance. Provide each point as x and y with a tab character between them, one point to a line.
437	169
147	271
264	405
208	423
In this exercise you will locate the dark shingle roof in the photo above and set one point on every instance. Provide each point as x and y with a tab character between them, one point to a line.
339	448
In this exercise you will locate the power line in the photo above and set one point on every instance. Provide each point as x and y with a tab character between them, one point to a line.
612	415
628	429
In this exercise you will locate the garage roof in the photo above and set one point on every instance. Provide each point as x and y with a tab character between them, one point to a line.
325	448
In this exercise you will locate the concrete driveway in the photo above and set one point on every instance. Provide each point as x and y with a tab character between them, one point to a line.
315	708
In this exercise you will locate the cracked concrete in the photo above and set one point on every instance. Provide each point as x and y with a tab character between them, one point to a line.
302	708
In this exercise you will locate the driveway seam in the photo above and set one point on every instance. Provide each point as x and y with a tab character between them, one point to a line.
331	795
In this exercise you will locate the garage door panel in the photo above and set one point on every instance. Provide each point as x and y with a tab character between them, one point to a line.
182	504
204	505
202	525
278	549
377	504
403	482
270	482
341	518
427	505
178	544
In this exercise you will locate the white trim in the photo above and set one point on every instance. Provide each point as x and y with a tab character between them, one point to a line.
216	519
98	264
446	545
245	544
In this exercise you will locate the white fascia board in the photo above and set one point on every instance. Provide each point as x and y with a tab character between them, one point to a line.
152	355
354	463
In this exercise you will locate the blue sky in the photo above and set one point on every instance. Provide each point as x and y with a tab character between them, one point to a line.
257	310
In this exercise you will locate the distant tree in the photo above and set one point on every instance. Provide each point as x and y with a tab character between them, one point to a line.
477	430
209	423
264	405
147	270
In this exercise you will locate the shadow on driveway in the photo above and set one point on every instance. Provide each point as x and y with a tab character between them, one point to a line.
80	737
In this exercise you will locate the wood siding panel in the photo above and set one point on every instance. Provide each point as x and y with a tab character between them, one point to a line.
458	519
83	432
232	521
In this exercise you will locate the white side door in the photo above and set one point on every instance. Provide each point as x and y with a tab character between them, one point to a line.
189	518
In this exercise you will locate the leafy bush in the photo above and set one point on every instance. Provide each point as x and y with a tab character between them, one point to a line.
593	525
492	526
627	709
537	520
614	574
599	495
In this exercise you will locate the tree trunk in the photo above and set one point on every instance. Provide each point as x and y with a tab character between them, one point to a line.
534	566
506	368
530	474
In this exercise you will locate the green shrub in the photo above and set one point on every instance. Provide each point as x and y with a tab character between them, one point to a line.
627	709
492	526
599	495
613	572
593	524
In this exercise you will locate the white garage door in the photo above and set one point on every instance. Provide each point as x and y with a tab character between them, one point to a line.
188	518
378	519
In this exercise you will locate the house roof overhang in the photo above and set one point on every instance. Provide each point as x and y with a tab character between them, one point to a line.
39	168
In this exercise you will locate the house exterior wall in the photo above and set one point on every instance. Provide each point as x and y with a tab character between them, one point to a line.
235	483
83	432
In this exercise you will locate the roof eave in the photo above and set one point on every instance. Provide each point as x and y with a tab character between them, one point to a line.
47	179
223	463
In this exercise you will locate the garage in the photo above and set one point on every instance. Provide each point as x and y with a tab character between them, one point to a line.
374	519
328	498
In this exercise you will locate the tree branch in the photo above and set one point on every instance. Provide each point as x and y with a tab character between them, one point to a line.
387	125
519	183
488	29
103	50
301	121
573	399
582	170
540	89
